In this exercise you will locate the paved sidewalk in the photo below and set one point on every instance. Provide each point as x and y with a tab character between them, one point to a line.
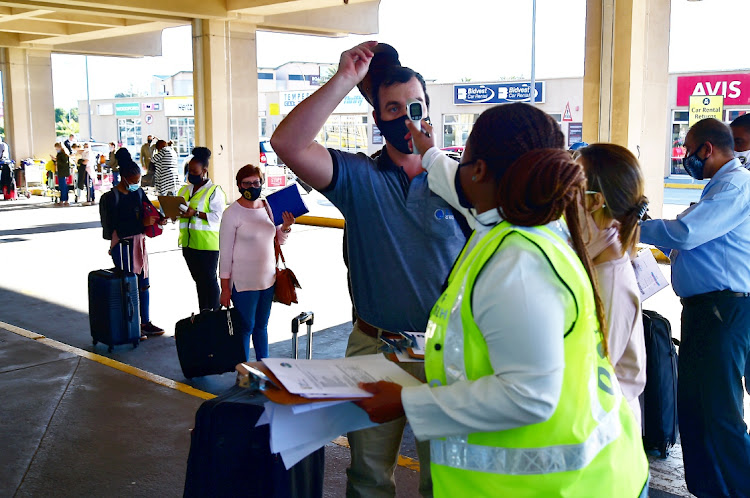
47	254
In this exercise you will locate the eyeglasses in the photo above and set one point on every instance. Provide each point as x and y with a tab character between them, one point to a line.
256	184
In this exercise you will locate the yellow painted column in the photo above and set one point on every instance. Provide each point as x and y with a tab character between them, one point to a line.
225	79
28	102
625	83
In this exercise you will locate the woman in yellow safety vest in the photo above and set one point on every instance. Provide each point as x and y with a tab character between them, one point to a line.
521	398
199	228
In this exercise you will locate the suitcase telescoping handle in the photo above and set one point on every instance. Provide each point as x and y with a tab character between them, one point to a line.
304	317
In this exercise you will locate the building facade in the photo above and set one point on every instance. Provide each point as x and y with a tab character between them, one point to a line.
454	108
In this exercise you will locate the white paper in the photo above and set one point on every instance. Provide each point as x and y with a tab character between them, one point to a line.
421	340
648	274
296	435
339	377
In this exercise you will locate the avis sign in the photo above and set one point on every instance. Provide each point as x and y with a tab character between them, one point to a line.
735	88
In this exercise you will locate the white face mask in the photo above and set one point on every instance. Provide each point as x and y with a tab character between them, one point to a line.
596	239
744	157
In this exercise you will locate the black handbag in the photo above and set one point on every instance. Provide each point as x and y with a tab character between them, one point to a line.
210	343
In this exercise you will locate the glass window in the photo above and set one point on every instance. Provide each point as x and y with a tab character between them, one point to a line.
456	128
734	114
679	130
557	117
129	136
344	132
182	134
680	116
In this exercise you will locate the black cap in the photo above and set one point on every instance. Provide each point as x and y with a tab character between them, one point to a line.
385	57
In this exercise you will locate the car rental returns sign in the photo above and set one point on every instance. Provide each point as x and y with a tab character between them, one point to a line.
702	107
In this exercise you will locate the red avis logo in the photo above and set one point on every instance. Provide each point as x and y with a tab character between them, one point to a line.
735	88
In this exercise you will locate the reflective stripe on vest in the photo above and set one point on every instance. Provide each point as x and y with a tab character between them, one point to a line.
456	452
589	446
197	233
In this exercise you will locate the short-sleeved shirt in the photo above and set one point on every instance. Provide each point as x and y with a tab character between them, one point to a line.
402	239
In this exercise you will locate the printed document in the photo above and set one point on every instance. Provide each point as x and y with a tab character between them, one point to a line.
648	275
336	378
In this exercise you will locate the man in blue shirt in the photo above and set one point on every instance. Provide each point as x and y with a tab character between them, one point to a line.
401	238
710	252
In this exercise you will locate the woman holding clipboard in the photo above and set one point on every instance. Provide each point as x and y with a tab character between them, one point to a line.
247	266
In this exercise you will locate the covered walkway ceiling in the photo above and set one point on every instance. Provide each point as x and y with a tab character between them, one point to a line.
131	27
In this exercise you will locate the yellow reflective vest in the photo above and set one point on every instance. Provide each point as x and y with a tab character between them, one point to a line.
590	446
196	233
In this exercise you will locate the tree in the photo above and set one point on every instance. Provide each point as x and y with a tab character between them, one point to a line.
64	127
330	71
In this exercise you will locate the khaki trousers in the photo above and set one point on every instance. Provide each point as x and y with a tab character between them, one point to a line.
375	451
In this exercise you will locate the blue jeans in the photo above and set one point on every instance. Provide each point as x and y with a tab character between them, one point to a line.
90	195
255	308
713	353
62	183
115	178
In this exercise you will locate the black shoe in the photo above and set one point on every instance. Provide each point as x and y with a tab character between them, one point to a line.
150	329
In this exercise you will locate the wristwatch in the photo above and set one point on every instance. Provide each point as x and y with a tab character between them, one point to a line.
287	230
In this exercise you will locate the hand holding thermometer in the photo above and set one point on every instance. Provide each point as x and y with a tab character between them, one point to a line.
415	113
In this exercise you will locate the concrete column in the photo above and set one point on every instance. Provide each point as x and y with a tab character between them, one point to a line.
225	76
625	83
29	106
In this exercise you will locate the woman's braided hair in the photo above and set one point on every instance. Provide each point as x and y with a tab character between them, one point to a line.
538	182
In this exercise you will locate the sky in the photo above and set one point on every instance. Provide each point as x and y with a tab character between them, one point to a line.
481	40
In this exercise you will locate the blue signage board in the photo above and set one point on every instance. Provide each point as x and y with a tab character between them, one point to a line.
497	93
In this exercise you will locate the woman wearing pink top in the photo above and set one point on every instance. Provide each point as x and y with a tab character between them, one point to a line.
614	204
247	266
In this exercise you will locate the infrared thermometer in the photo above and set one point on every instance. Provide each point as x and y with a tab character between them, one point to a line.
415	112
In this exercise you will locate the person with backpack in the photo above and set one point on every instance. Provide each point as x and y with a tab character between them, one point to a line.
613	208
126	213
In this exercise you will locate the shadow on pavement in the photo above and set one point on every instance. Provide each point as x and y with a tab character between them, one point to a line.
157	354
57	227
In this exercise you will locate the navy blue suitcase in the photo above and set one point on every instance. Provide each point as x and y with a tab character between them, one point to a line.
230	457
660	395
113	308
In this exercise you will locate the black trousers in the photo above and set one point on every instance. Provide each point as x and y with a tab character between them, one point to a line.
202	266
714	351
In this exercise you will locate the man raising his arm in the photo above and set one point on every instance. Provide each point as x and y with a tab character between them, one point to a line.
401	238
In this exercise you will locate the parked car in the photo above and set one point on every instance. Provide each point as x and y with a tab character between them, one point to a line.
454	151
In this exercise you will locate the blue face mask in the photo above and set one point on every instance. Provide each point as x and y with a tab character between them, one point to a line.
132	187
694	164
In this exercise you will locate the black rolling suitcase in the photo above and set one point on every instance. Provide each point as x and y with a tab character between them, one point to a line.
230	457
660	394
114	314
210	343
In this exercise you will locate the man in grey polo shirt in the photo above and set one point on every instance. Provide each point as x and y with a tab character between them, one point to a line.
402	239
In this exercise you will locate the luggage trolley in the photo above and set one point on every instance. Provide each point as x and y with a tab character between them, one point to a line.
304	317
30	174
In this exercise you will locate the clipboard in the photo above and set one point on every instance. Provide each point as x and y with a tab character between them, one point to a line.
275	390
170	205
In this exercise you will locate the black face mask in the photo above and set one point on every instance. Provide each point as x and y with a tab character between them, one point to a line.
195	179
394	132
251	193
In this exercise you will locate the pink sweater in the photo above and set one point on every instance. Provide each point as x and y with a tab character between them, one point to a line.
627	345
246	247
